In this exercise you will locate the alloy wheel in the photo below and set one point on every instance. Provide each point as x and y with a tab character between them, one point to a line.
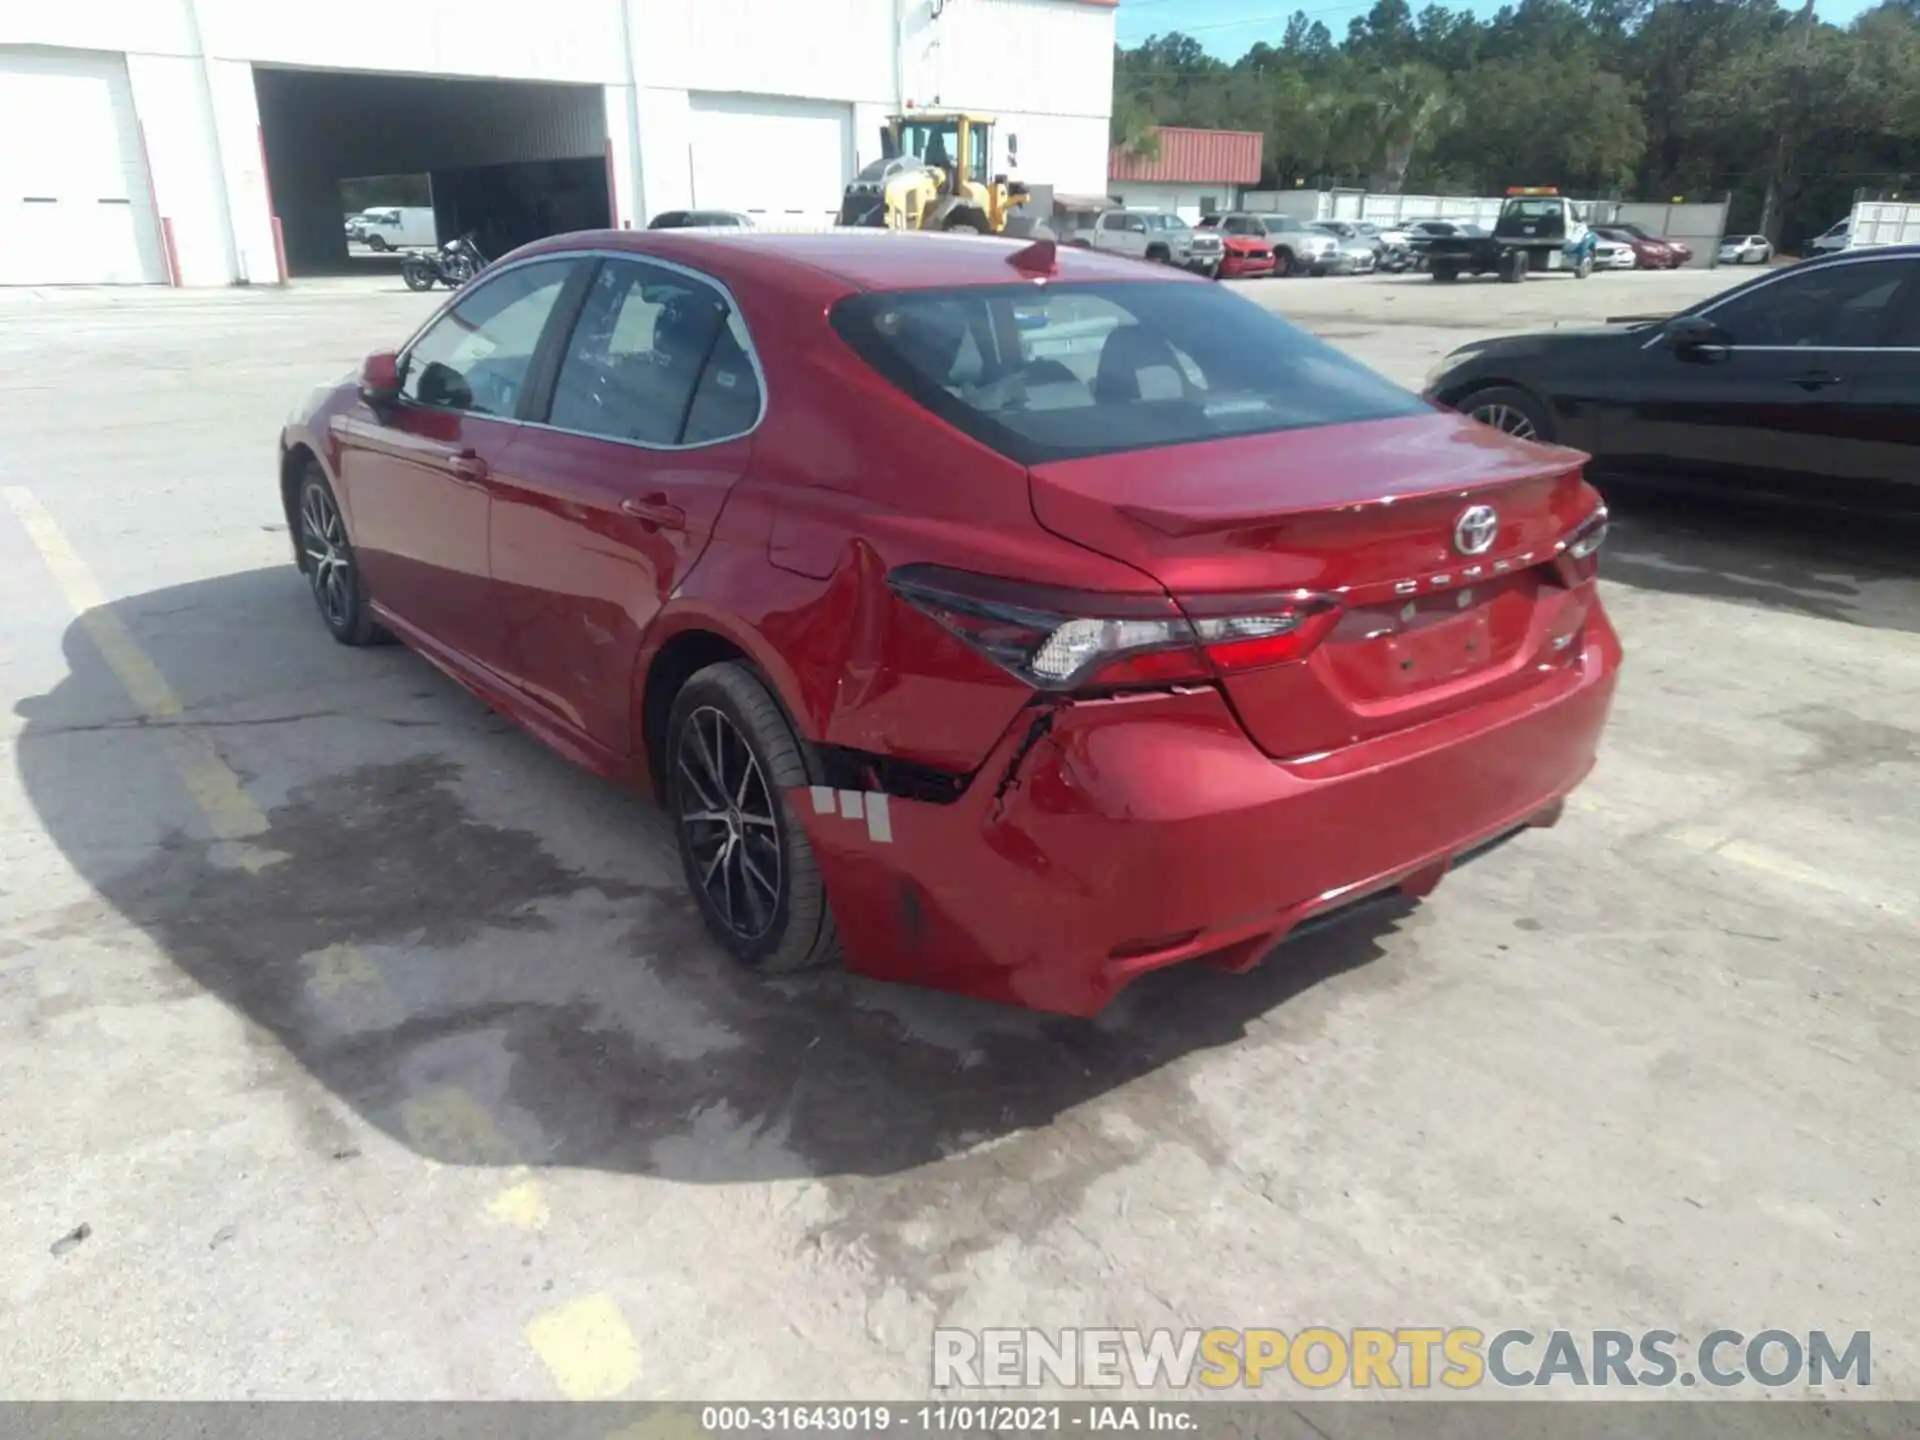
1506	419
329	562
730	819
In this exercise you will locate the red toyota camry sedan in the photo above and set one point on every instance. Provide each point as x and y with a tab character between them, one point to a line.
989	617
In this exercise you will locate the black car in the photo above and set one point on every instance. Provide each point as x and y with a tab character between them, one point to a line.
699	220
1801	385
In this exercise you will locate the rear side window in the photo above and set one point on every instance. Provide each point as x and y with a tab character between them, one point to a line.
1065	371
634	362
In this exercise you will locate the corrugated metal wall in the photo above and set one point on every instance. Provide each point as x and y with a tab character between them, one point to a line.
1698	227
358	124
1194	157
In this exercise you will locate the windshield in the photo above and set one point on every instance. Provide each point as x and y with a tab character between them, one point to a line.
1065	371
937	142
1531	209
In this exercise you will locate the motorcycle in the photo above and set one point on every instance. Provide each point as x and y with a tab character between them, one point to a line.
452	265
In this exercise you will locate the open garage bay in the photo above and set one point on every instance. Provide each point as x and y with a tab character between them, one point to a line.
355	1045
508	161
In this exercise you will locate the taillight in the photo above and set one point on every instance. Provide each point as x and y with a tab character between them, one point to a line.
1250	632
1578	557
1056	639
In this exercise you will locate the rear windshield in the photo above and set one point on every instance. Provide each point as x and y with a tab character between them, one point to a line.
1057	372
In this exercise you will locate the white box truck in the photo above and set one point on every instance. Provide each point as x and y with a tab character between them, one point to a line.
1871	222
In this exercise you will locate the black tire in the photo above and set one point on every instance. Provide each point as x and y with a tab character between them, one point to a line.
966	221
1159	255
416	273
327	560
1282	264
1519	405
378	242
799	931
1445	274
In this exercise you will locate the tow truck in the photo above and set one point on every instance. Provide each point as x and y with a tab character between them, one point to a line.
1539	229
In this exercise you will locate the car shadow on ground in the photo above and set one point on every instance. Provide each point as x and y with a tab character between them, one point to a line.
468	992
1829	565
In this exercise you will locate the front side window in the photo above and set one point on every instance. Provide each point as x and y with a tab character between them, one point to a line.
476	356
1833	306
1088	369
633	367
1114	222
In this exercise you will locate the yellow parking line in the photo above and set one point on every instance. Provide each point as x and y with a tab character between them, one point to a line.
586	1345
215	789
1771	862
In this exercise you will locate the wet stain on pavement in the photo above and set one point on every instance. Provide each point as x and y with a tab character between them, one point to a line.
1843	740
453	984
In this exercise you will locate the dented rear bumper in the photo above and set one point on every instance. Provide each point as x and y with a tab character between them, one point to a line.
1106	838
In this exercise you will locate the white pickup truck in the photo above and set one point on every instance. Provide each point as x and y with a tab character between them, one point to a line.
1155	235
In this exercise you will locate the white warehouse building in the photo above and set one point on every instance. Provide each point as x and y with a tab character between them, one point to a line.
204	142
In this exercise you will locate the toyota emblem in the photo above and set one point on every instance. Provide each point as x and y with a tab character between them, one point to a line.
1473	532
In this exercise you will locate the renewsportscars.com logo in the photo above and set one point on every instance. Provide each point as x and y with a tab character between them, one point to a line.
1415	1358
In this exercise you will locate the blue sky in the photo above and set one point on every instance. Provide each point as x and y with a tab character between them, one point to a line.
1228	27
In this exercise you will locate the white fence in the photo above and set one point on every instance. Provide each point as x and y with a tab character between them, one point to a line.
1381	209
1882	222
1700	227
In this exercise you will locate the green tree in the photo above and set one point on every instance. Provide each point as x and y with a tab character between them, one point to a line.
1644	98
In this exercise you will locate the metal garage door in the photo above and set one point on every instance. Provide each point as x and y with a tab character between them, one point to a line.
783	162
75	208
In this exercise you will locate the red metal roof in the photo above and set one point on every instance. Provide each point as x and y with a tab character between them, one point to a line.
1195	157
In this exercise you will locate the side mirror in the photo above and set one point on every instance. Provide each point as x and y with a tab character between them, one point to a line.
380	379
1693	333
1013	148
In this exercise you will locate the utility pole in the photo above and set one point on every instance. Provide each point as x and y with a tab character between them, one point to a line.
1775	203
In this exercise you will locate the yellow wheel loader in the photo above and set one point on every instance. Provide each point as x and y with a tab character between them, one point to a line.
936	173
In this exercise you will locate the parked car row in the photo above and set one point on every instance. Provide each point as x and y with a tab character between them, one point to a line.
1245	245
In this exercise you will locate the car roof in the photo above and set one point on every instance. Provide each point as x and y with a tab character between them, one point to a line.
1854	257
862	259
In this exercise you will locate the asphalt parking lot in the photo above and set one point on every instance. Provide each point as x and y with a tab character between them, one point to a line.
356	1046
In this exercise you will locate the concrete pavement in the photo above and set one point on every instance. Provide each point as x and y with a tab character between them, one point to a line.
379	1053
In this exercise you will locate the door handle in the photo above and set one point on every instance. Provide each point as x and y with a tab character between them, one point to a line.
468	467
1816	379
655	511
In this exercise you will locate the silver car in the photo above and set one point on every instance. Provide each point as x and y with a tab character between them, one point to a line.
1355	256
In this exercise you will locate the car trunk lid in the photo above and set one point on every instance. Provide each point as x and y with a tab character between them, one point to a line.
1375	514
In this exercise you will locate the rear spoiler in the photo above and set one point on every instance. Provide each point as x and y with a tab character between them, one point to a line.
1634	319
